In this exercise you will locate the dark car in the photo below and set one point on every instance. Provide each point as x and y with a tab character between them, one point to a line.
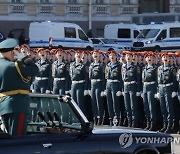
57	125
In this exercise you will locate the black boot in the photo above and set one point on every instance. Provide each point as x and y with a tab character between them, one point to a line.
129	123
164	127
169	128
100	121
110	122
153	126
120	122
134	123
148	124
125	122
95	121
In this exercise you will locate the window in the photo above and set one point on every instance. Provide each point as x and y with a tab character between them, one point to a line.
96	41
72	1
99	1
124	33
16	1
125	1
136	33
174	32
82	36
44	1
162	35
70	32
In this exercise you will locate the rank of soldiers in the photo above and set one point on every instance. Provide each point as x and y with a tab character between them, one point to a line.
132	89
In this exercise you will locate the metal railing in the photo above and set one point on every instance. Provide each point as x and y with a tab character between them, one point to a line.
17	8
74	9
101	9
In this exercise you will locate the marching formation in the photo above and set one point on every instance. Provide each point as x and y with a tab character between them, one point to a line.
134	89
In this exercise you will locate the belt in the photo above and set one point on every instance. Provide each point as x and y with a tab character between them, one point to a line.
41	78
165	85
131	82
95	80
110	80
59	79
148	83
80	81
14	92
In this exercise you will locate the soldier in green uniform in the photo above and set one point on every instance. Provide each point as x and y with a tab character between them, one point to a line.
132	87
166	80
14	83
96	76
149	78
113	87
79	79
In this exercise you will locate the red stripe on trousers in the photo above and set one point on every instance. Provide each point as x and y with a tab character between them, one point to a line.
20	124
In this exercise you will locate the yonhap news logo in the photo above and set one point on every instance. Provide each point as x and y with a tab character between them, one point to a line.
127	139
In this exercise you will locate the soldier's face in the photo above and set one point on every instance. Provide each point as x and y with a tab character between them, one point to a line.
112	57
24	51
165	59
42	54
128	58
149	59
84	57
78	55
59	54
95	55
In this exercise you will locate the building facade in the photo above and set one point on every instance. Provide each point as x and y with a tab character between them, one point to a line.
16	15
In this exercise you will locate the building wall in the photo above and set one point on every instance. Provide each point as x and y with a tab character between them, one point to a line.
18	16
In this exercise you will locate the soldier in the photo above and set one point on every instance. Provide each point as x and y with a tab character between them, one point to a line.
79	78
149	78
15	77
131	77
96	76
166	80
43	80
113	87
59	73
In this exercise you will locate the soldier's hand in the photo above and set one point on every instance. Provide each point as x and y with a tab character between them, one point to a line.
119	93
18	55
47	91
85	92
105	92
157	96
102	93
138	94
173	94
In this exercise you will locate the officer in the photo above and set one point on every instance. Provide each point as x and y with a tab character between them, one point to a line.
131	76
149	78
113	87
14	83
59	73
43	80
79	78
166	80
96	76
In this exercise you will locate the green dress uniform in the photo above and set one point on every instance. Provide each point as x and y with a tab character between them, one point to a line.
166	85
79	79
113	85
131	77
14	89
149	78
96	76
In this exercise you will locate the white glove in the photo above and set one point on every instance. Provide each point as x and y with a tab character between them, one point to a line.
173	94
86	92
157	96
102	94
105	92
119	93
18	55
138	94
47	91
89	92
